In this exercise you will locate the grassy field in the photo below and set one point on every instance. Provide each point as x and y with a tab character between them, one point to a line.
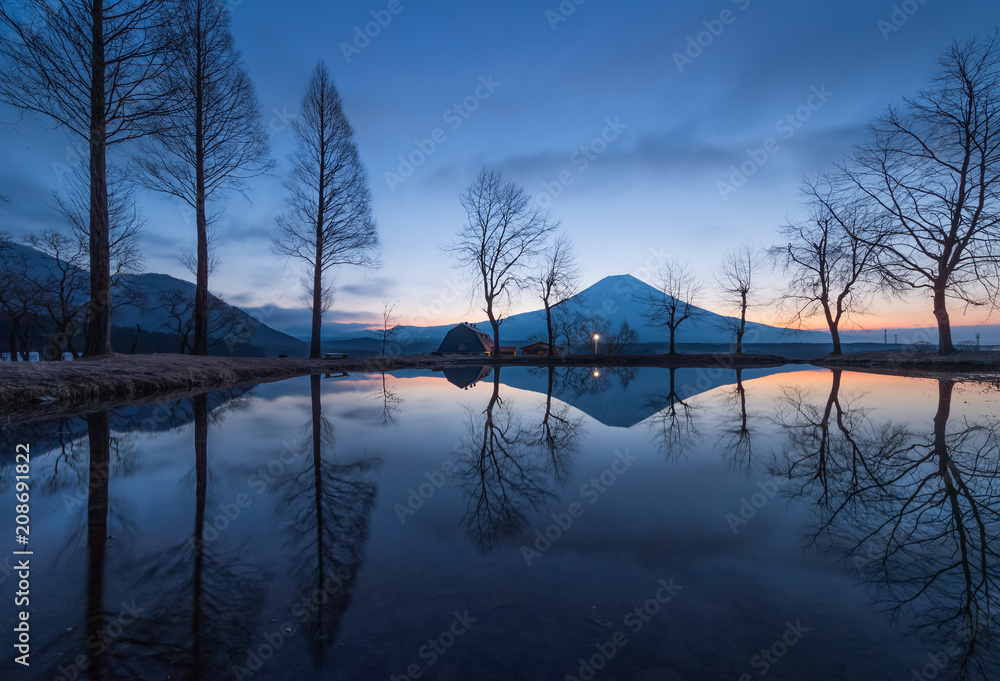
55	388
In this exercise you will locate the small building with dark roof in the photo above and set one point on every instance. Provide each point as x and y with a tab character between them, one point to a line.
466	339
540	349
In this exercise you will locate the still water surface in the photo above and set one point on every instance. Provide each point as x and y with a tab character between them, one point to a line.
610	524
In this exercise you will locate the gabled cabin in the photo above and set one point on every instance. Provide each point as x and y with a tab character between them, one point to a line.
466	339
541	349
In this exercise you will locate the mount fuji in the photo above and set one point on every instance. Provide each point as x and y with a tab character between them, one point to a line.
622	298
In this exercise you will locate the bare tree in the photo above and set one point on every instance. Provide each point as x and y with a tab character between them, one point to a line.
674	301
830	272
932	167
92	67
590	329
329	221
62	287
19	296
225	324
738	280
618	340
557	281
503	235
212	140
389	326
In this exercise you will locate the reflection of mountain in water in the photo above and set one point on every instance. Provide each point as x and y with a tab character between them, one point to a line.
624	397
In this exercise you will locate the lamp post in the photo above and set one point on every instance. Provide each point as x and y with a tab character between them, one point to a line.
597	337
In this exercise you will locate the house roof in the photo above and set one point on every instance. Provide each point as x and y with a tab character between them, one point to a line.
484	337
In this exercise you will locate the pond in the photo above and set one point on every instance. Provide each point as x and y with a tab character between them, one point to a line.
524	523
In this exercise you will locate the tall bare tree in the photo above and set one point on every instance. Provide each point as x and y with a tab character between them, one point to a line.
831	272
92	67
212	141
738	279
557	281
329	220
673	303
500	241
932	166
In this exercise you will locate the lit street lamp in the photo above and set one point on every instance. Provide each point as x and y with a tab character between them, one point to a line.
597	337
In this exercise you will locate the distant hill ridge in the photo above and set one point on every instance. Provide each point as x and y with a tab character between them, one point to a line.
153	318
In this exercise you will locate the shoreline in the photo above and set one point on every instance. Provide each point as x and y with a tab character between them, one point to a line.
43	389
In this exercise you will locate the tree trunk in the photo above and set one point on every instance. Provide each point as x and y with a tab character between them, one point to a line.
316	337
12	340
945	344
99	327
835	335
743	325
673	346
548	327
199	345
496	328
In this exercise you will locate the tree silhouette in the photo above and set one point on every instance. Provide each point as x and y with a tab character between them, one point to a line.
211	140
93	67
503	235
329	222
931	168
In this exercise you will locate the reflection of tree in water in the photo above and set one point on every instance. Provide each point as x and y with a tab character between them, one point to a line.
328	507
391	401
204	620
920	517
675	425
558	433
736	434
501	473
832	443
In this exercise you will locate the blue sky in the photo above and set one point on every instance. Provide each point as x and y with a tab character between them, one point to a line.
593	108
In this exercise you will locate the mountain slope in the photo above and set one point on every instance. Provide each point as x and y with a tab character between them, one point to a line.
152	317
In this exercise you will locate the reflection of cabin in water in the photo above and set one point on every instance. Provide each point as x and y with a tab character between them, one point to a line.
465	339
466	377
541	349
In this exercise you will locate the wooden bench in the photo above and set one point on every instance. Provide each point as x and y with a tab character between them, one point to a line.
334	355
